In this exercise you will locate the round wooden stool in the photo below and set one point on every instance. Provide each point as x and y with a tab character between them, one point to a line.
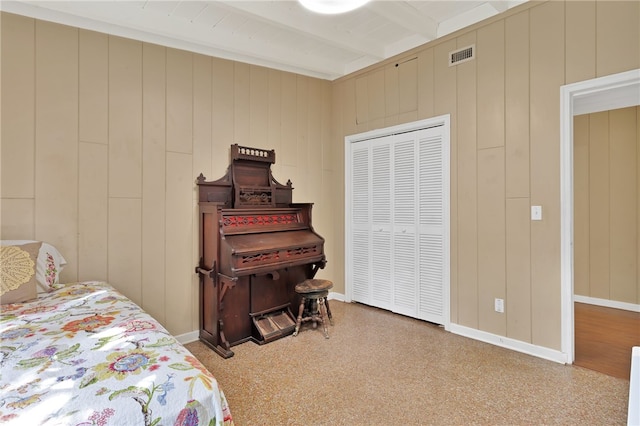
314	305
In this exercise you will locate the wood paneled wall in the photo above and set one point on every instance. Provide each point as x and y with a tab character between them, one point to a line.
103	138
606	199
505	145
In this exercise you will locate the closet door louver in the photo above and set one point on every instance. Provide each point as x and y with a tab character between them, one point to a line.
431	226
404	224
381	253
361	218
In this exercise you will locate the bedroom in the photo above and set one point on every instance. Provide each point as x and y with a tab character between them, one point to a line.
108	135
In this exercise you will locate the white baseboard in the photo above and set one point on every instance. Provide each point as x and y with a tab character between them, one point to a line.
607	303
494	339
189	337
508	343
336	296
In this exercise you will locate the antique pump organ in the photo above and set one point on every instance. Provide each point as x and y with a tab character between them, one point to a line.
255	246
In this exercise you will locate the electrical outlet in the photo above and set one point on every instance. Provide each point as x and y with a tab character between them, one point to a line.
499	305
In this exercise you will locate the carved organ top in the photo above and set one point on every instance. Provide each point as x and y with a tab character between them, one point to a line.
248	182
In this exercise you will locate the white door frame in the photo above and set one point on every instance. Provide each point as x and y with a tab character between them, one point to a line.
442	120
599	94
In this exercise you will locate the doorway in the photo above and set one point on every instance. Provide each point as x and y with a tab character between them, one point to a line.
600	94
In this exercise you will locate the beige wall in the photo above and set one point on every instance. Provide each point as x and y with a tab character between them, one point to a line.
102	140
606	199
505	145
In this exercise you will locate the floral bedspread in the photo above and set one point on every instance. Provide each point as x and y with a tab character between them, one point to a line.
86	355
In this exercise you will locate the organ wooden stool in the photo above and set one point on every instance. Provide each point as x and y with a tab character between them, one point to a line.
314	305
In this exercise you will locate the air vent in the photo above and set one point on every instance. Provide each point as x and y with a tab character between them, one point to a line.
462	55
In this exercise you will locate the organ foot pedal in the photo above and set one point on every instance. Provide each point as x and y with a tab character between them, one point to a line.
274	324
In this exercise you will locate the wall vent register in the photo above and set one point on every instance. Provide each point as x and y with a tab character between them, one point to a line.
462	55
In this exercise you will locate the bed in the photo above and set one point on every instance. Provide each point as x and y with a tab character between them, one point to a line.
84	354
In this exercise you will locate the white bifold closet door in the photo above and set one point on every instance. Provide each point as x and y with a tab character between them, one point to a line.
399	228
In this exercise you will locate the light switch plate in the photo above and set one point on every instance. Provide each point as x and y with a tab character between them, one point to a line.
536	212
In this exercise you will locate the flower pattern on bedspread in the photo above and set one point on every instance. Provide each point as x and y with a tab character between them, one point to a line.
86	355
51	272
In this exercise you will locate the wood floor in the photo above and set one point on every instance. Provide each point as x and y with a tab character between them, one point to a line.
604	338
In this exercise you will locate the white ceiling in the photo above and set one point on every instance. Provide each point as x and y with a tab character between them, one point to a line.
276	34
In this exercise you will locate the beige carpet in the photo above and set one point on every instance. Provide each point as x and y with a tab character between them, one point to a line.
380	368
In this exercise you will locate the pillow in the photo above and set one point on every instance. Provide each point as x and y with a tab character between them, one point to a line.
18	272
49	264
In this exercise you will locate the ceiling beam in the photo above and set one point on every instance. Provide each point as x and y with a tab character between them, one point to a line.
464	19
499	6
288	17
406	16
